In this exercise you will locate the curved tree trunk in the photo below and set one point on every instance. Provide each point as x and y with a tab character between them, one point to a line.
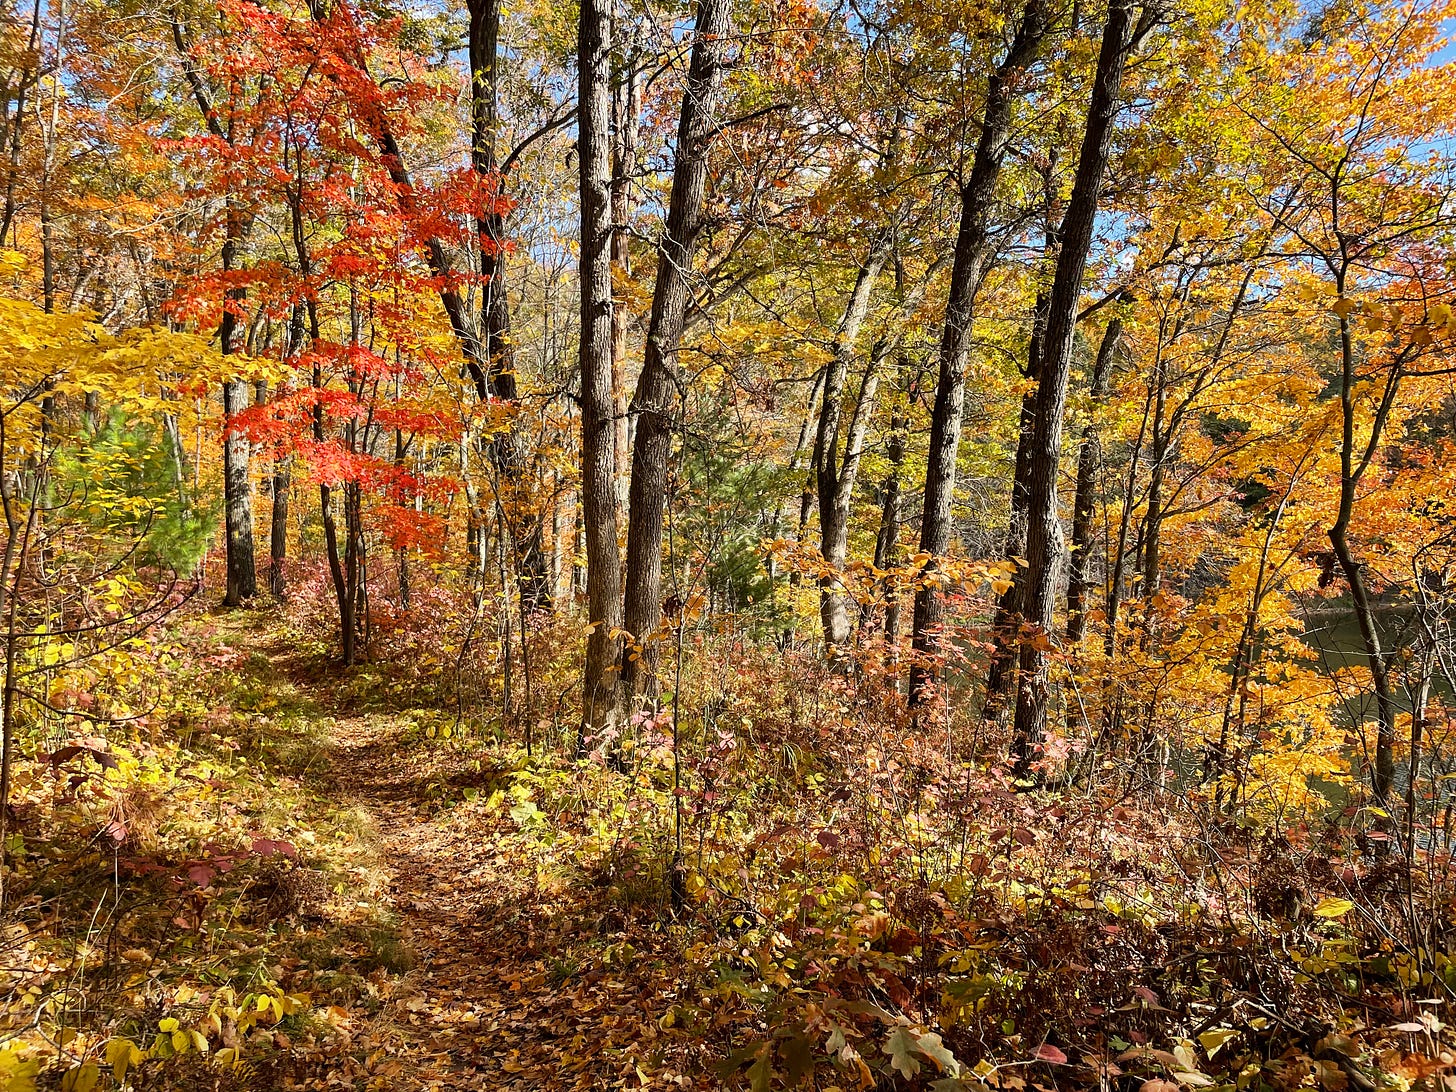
1382	777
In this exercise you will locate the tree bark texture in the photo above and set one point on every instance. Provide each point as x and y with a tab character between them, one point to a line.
601	707
974	249
1089	469
834	482
1044	545
657	401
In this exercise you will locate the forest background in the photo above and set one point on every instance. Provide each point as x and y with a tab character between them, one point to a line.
871	544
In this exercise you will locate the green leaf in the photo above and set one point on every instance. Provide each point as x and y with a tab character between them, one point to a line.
798	1055
525	813
931	1046
760	1073
901	1047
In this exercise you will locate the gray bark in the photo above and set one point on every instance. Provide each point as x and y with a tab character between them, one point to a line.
974	250
835	481
1044	546
601	707
1089	468
657	402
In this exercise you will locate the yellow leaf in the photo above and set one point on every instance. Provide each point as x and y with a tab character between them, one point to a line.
1331	907
1343	307
1214	1038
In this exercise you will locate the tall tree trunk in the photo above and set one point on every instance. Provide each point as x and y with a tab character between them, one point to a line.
278	527
973	252
1352	470
802	451
1118	553
887	540
343	595
657	402
1044	534
833	492
283	478
1089	469
1006	623
1152	531
17	124
834	604
601	707
496	345
242	577
1420	721
401	449
626	112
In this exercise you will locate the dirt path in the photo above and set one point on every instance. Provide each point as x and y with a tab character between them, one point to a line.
506	990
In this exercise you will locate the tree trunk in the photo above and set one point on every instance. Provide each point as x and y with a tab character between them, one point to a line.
242	580
342	592
1089	469
278	528
833	491
1044	535
973	251
834	604
1382	776
1006	624
1420	714
283	479
242	577
24	81
626	110
888	538
601	707
497	348
1152	575
807	430
657	403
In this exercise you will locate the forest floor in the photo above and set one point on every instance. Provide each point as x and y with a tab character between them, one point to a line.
500	991
318	845
293	875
